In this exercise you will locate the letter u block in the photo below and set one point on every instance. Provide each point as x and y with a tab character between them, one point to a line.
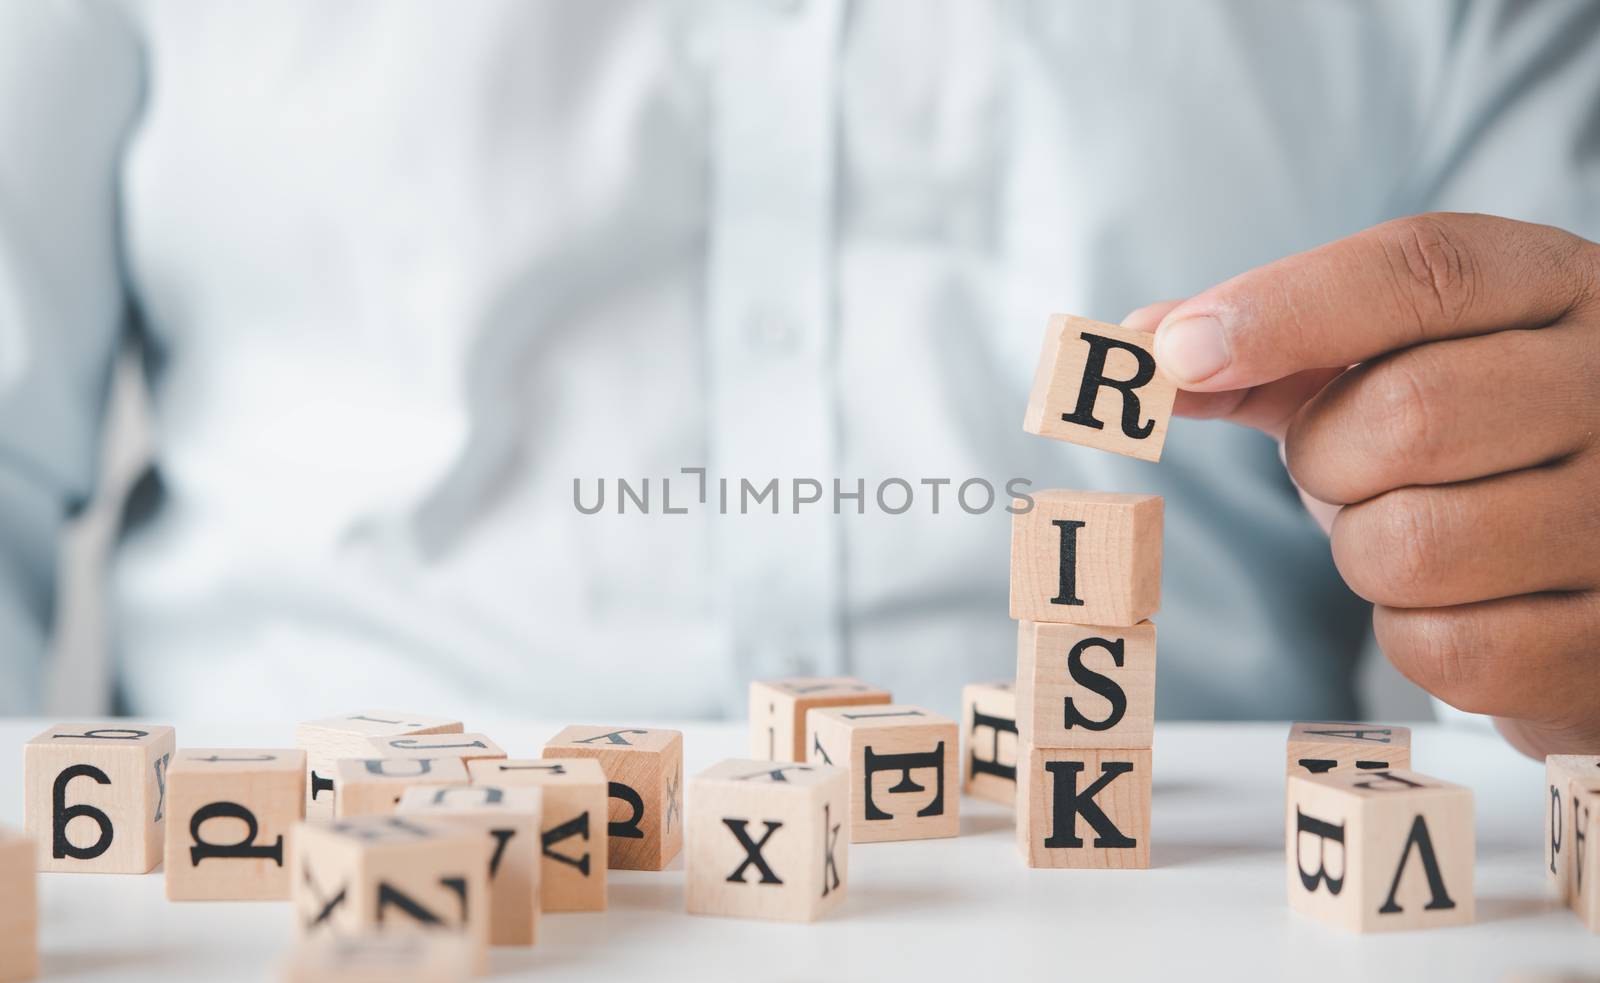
989	727
644	778
19	914
508	819
1098	385
97	796
373	786
572	838
1082	686
229	814
767	840
350	736
1319	747
904	769
1084	807
778	710
1087	558
1380	850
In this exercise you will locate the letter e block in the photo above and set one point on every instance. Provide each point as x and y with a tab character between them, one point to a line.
1319	747
1087	558
96	796
1083	686
989	726
778	711
373	786
19	915
433	957
508	818
903	769
349	736
573	840
644	778
229	813
1086	808
1098	385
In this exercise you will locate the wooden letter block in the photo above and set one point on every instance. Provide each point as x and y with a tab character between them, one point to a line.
644	778
989	723
97	796
229	813
573	832
467	747
391	874
1085	807
766	840
434	957
902	762
778	711
19	912
1084	686
1098	385
508	818
1316	748
1571	869
1087	558
1380	850
373	786
349	736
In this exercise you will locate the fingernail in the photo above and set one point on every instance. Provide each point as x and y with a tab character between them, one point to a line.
1193	349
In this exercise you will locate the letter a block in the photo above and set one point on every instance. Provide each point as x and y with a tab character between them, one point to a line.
1098	385
572	839
1380	850
1085	807
435	957
508	818
1571	810
19	914
349	736
903	769
778	711
229	813
644	778
1087	558
97	796
766	840
373	786
989	726
1317	748
1083	686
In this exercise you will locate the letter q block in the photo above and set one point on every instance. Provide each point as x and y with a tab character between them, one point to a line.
644	778
229	813
904	769
1098	385
97	796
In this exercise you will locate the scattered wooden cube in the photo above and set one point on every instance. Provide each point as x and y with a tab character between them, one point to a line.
1086	558
373	786
1085	686
19	914
901	760
989	726
1380	850
1316	748
229	812
347	736
573	837
97	796
778	711
1571	868
1084	807
766	840
644	775
418	957
467	747
509	819
391	874
1098	385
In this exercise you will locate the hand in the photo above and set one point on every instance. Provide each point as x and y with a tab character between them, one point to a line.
1436	382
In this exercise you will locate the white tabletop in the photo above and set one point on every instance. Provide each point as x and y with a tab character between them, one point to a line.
1211	907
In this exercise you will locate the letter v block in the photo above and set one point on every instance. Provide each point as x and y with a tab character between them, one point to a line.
767	839
96	796
1087	558
644	778
1381	850
1082	686
508	818
904	769
1098	385
1084	807
349	736
1319	747
572	838
229	813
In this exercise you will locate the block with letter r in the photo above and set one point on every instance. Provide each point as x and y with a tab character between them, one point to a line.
644	782
1098	385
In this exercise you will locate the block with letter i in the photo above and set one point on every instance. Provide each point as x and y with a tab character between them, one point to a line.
1086	558
467	747
903	764
96	796
1319	747
989	728
350	736
768	839
508	818
573	838
1098	385
778	711
229	813
19	914
644	779
1571	815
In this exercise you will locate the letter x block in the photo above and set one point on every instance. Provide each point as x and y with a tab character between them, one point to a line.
229	813
1084	686
97	796
1571	816
903	769
989	727
1380	850
19	914
508	819
644	778
373	786
572	839
349	736
1084	807
1098	385
434	957
778	711
1317	748
1087	558
766	840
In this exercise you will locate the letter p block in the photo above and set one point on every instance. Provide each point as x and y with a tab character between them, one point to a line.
229	814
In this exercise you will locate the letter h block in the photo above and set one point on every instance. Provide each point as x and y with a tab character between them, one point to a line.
508	819
644	779
1571	823
229	814
778	710
19	914
1098	385
350	736
1316	748
989	727
1373	851
96	796
573	839
1087	558
767	840
1082	686
904	769
1084	807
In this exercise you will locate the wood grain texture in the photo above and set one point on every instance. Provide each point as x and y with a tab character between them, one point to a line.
1571	782
644	775
106	786
1084	807
572	875
1061	379
229	813
509	820
373	786
1316	747
778	710
1086	686
1100	566
347	736
19	912
989	735
467	747
904	768
434	957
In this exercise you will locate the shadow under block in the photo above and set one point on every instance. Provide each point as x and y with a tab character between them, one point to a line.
229	813
1319	747
1084	807
1379	850
96	796
391	874
19	911
1086	558
435	957
508	819
573	838
373	786
1085	686
1571	815
1098	385
467	747
989	728
348	736
766	840
778	711
904	769
644	779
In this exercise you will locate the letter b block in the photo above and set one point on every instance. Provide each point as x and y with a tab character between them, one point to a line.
904	769
1082	686
644	778
1097	385
229	813
1087	558
97	796
1084	807
767	840
19	914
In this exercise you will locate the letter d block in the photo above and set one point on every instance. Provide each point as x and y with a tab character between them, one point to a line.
1084	807
1098	385
1380	850
767	840
1087	558
229	813
1081	686
373	786
904	769
644	778
1317	748
572	839
778	711
989	727
350	736
19	915
97	796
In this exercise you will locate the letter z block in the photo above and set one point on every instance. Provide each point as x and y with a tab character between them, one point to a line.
96	796
1380	850
644	777
1082	686
1317	748
1087	558
1098	385
572	839
778	711
229	813
903	769
1085	808
19	915
766	840
989	726
508	818
436	957
349	736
